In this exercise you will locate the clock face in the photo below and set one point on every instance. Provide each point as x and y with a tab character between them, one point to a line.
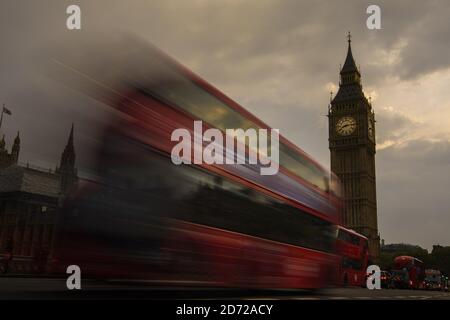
345	126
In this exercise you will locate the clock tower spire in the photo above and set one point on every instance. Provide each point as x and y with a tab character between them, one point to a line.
352	149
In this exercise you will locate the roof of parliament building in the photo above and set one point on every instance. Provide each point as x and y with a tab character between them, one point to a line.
15	177
29	180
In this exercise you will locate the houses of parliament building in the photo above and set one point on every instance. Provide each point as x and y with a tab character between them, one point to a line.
30	198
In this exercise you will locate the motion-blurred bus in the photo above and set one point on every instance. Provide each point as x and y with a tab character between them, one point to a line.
354	251
144	218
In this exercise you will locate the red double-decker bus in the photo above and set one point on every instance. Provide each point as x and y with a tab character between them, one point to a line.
354	251
206	224
414	268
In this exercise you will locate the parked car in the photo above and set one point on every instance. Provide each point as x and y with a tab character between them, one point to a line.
433	279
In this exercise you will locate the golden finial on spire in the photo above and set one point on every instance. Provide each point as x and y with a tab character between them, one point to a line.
331	96
349	37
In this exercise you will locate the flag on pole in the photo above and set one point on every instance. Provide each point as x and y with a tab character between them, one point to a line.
7	111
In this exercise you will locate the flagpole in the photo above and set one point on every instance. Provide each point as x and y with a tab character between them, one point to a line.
1	118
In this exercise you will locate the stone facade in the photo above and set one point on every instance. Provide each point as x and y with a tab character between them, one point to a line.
352	150
30	199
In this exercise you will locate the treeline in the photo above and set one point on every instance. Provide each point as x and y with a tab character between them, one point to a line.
438	258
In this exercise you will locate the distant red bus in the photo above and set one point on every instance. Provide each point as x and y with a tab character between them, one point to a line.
415	269
221	225
354	251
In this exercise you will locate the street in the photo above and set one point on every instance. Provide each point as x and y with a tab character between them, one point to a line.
55	288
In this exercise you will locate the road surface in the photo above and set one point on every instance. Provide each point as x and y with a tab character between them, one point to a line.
54	288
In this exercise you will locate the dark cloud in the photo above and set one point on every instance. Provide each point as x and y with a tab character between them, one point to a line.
393	126
413	192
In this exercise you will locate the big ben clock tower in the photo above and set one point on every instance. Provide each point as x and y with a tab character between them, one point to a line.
351	123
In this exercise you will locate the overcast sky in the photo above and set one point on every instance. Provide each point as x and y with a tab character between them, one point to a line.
277	58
